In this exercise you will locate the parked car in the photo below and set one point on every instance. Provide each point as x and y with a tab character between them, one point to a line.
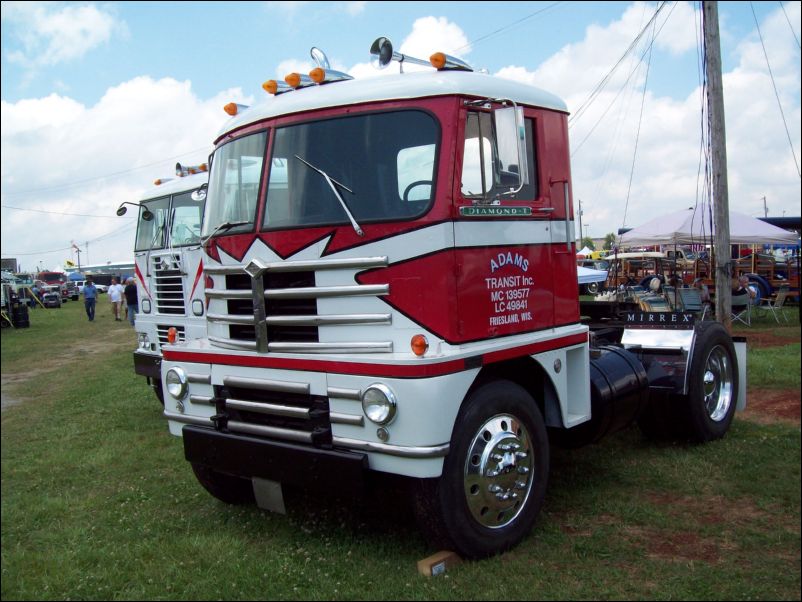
102	288
52	299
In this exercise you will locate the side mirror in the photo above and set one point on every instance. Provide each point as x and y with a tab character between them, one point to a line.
147	215
510	130
200	193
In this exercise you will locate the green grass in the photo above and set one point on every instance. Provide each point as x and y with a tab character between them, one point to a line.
99	503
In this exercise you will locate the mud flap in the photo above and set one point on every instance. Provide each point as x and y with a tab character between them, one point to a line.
740	354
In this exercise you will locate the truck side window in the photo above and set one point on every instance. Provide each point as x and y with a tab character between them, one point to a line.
479	178
416	172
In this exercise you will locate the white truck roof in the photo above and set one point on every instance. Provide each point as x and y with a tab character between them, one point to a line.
176	185
419	84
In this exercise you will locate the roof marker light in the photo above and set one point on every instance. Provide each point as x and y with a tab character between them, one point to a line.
297	80
160	181
233	108
272	86
320	75
442	62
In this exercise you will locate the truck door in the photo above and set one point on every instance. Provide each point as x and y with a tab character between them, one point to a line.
503	258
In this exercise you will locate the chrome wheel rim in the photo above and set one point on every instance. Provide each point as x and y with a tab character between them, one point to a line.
498	473
718	383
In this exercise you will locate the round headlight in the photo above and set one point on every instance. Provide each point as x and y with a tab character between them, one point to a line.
379	404
176	383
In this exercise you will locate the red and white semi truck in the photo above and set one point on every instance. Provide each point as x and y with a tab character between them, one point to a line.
391	285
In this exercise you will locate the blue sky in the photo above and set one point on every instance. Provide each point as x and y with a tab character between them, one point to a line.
100	99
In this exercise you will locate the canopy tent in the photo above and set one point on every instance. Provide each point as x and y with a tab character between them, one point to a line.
584	252
74	276
692	226
586	275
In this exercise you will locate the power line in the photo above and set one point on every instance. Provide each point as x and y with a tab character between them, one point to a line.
793	33
640	119
603	82
777	94
68	247
111	175
64	213
506	27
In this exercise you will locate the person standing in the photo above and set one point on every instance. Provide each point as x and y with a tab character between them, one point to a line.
90	298
116	297
131	300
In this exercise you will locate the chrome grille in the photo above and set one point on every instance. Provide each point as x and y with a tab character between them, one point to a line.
274	409
273	307
169	284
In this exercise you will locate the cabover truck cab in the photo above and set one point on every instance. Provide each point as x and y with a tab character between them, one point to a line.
392	287
168	262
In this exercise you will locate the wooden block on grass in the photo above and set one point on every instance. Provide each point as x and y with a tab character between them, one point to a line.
436	564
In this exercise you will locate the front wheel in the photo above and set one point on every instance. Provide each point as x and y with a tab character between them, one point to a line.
494	478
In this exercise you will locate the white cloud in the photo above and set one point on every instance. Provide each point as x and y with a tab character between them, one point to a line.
435	34
355	8
51	35
668	151
133	135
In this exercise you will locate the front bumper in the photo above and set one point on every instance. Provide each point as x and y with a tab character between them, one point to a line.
146	364
249	457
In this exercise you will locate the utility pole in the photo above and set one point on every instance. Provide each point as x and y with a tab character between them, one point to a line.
765	208
721	210
580	223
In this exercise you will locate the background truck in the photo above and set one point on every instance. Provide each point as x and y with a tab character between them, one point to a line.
392	284
60	281
168	262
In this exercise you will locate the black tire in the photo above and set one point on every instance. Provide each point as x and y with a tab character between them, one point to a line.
490	491
157	389
592	288
706	412
226	488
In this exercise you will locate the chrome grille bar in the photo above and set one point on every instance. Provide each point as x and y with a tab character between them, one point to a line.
362	263
319	292
272	409
269	431
279	386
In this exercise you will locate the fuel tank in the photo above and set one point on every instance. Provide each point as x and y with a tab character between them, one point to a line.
619	389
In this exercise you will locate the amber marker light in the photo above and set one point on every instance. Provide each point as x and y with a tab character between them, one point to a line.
438	60
270	86
172	335
317	75
419	345
231	108
293	79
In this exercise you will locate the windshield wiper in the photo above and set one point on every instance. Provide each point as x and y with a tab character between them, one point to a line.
223	226
331	183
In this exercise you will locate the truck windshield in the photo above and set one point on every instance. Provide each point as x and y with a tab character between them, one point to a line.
234	184
186	219
387	161
151	234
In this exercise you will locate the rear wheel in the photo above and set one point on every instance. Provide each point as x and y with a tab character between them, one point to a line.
494	478
708	409
226	488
